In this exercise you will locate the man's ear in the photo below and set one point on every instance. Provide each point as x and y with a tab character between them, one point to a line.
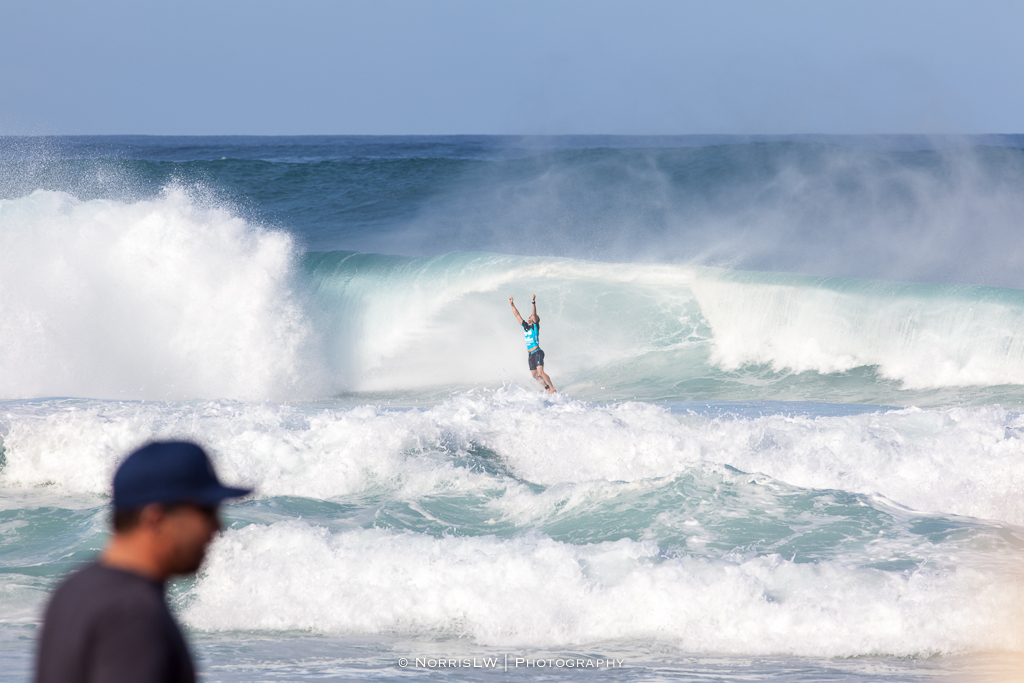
151	515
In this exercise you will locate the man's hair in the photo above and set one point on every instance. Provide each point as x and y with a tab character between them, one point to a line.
126	519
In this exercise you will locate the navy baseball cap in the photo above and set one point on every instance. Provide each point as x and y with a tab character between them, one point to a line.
169	472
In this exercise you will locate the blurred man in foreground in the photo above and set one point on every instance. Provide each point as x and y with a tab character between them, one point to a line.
109	621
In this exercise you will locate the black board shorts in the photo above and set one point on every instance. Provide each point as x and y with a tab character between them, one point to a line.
536	359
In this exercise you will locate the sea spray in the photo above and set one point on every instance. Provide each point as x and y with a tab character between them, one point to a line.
160	298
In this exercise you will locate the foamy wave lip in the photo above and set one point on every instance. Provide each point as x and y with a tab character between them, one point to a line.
159	299
75	446
959	461
535	591
924	336
956	461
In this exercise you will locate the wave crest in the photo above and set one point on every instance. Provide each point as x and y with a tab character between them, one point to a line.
161	298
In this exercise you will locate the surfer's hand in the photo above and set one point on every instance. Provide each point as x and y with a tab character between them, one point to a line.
510	301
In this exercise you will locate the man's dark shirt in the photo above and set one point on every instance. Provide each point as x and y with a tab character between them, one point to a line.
106	625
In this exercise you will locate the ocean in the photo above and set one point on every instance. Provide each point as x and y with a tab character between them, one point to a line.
788	442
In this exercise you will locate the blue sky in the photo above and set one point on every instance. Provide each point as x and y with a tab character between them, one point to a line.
523	67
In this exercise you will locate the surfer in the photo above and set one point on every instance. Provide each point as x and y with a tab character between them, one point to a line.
531	330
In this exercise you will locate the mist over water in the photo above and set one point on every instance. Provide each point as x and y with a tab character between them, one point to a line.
787	444
903	208
925	216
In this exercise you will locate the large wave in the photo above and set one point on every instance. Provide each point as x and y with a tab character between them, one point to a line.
657	331
170	298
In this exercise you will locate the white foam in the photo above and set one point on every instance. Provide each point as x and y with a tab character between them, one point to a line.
532	590
22	598
959	461
159	299
74	446
924	340
963	461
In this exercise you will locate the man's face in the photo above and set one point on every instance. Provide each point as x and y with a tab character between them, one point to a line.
185	532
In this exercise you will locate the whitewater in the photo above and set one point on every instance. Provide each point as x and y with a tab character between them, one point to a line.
788	442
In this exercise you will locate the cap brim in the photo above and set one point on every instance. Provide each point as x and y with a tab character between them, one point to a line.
214	496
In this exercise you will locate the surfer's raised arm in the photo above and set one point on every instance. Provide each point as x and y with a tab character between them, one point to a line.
515	311
536	318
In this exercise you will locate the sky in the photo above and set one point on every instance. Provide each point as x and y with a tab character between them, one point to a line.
523	67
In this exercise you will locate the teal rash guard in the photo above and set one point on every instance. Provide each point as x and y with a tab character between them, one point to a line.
532	335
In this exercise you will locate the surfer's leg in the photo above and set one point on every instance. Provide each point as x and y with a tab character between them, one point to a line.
537	369
548	385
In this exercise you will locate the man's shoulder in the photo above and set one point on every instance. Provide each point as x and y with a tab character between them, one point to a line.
97	587
115	624
96	574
